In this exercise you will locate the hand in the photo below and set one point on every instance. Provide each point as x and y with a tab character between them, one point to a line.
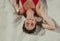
46	26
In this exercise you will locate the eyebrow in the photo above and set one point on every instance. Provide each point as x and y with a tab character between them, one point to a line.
30	19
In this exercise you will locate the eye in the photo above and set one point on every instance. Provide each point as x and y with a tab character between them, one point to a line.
32	24
27	24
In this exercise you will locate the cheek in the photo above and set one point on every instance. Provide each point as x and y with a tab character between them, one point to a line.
31	24
26	23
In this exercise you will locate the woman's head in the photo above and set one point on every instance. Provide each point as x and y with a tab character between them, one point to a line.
30	24
30	20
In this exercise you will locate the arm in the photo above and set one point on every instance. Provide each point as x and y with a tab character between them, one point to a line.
50	26
40	12
15	5
21	8
18	7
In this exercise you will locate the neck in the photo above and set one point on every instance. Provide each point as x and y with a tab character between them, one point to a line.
30	13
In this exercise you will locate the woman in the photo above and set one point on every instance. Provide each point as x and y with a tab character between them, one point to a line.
23	6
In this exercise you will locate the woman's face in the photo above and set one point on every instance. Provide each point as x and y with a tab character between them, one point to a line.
30	24
30	20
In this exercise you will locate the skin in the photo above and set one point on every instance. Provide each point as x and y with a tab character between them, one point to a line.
40	12
30	20
15	4
29	4
48	24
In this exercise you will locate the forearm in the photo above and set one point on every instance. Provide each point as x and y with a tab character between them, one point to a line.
41	13
15	5
18	7
49	23
21	9
48	20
